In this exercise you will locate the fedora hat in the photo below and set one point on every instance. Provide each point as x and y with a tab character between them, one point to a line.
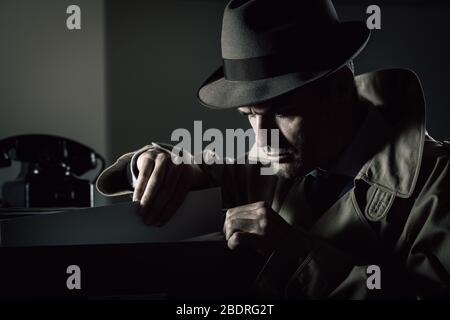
271	47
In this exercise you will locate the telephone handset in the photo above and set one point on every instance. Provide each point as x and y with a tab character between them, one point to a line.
51	167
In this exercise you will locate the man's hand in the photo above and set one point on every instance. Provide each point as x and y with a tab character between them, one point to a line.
161	186
256	226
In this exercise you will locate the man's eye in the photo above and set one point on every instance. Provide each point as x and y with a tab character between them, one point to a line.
280	115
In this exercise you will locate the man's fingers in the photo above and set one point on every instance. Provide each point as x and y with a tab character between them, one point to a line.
232	226
144	174
240	240
257	214
165	195
247	207
155	181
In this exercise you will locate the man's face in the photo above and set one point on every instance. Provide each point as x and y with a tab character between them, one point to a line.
305	121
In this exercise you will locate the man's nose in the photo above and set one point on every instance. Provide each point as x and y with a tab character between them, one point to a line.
263	128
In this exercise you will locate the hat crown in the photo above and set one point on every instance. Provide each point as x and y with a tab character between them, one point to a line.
255	28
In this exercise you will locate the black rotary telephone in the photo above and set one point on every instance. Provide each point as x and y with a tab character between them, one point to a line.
50	172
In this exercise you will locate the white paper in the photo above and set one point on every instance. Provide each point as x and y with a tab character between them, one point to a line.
199	214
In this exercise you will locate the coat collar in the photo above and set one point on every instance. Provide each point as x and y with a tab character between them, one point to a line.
398	95
369	139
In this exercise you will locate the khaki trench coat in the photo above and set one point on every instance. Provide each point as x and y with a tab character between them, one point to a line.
395	217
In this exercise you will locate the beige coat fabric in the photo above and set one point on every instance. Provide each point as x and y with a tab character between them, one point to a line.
396	216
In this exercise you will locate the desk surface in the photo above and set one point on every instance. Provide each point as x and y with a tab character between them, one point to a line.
183	269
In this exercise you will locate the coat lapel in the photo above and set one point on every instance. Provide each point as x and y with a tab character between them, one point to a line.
343	225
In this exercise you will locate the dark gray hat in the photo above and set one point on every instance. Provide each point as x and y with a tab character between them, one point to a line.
271	47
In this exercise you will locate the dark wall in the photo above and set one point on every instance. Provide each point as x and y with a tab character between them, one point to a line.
413	36
160	52
52	80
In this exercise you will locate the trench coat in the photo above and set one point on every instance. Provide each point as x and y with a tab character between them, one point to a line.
387	237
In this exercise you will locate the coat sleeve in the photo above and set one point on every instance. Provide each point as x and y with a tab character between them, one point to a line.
309	269
426	234
117	179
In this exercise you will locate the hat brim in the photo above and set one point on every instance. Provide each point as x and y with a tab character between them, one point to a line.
220	93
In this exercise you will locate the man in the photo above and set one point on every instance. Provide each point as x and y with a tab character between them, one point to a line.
359	184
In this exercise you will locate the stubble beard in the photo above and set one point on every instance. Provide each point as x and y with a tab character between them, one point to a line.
294	168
